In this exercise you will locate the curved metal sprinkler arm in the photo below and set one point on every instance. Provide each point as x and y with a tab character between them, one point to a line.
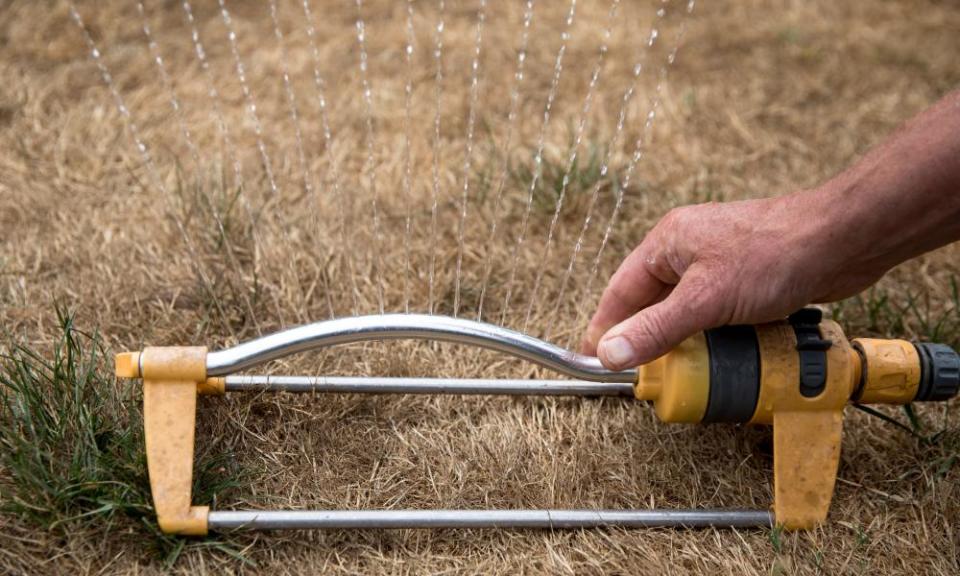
411	326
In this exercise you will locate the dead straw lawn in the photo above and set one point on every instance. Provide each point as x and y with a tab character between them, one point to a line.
216	241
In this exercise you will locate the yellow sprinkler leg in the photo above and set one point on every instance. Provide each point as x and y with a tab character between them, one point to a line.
172	378
806	430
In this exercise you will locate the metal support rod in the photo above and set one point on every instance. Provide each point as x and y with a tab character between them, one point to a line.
371	385
545	519
416	326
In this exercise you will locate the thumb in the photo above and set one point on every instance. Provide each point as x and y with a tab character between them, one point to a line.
692	306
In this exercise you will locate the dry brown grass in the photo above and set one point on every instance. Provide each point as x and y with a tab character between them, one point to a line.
765	97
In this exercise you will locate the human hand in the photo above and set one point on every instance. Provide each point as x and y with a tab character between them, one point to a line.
713	264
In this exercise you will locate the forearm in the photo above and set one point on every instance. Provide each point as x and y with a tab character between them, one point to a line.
901	200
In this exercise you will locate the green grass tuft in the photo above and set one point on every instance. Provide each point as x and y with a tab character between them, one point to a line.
71	445
776	538
584	174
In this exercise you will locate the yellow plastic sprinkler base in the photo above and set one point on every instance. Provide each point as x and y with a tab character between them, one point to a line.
171	380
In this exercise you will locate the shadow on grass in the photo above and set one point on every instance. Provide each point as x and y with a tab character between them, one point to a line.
72	448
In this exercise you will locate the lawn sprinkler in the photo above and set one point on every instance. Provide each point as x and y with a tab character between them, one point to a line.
796	375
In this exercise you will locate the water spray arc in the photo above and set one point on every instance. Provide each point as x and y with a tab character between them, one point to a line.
371	165
435	165
518	76
275	166
144	152
572	157
333	176
468	153
188	139
538	159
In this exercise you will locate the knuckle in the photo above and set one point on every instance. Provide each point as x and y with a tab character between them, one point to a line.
675	216
699	291
706	299
657	331
650	332
619	292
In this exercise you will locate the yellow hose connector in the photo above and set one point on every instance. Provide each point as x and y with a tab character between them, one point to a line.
891	371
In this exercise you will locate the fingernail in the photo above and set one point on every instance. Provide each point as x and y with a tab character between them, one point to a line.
618	351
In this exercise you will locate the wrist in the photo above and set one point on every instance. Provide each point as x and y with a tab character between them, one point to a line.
824	241
847	235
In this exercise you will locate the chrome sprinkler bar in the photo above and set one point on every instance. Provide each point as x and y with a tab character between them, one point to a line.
466	386
417	327
591	379
542	519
